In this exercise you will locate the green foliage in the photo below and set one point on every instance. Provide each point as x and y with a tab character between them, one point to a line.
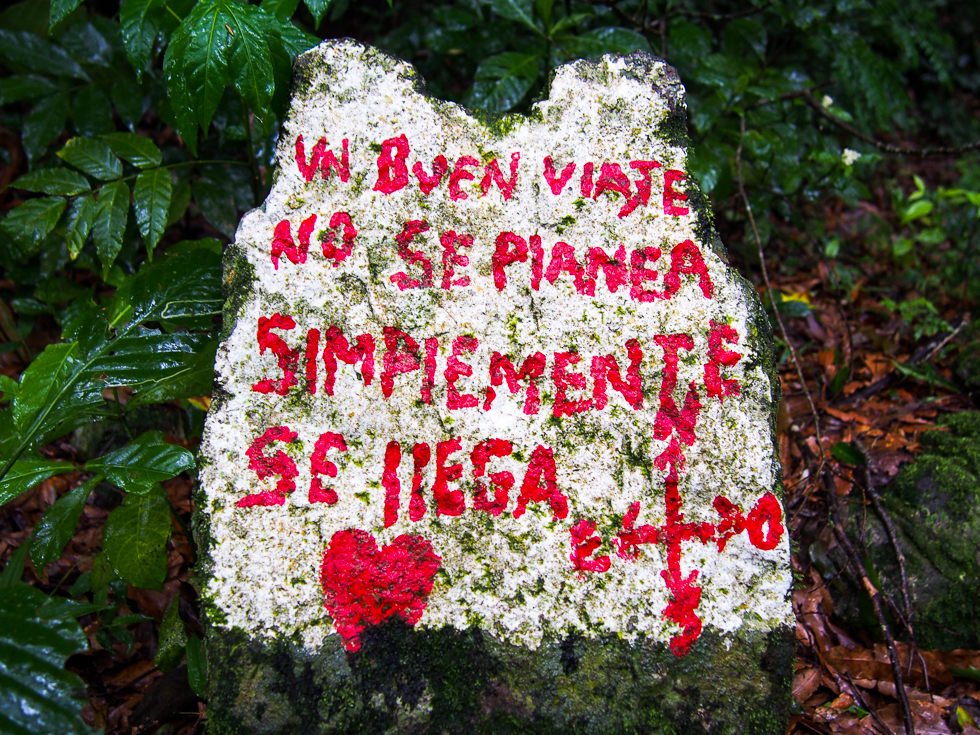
36	693
147	134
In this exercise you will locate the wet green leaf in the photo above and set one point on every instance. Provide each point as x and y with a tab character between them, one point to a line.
37	695
92	157
23	50
847	452
33	220
81	218
135	537
44	124
26	473
137	467
137	149
151	199
110	221
62	181
197	666
57	525
502	81
172	639
140	23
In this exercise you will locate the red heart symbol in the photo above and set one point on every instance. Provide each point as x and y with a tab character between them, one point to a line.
363	586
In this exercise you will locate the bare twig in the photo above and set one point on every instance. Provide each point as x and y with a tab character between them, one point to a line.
772	301
923	354
880	144
878	602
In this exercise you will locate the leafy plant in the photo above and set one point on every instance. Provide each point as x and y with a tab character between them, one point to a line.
144	135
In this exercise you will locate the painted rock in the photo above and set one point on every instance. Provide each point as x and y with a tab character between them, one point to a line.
492	448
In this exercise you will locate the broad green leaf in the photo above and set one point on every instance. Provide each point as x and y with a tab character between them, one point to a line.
21	49
318	8
151	199
44	124
16	563
57	525
137	467
135	537
137	149
109	340
140	24
180	199
295	41
172	639
81	217
544	8
61	181
37	695
282	9
110	222
197	666
92	112
502	81
87	41
102	571
92	157
127	97
917	210
250	57
847	452
33	220
604	41
178	89
61	9
39	385
195	378
25	87
519	10
26	473
205	48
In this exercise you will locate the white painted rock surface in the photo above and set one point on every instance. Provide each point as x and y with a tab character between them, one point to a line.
353	477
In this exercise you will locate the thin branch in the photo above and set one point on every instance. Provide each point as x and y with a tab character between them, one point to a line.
725	16
880	144
772	301
923	354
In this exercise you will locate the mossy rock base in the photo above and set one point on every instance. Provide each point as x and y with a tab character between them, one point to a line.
935	506
446	681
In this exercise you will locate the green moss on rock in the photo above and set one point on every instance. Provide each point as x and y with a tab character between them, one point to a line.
448	681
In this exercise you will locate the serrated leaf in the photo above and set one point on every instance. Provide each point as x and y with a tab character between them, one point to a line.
43	380
502	81
172	639
140	25
151	198
137	467
33	220
137	149
847	452
318	8
25	87
37	695
92	112
26	473
92	157
61	181
519	10
205	48
56	527
135	537
197	666
44	124
250	56
177	90
81	217
23	49
110	221
61	9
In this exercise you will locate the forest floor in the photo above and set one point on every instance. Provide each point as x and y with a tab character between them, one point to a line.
843	679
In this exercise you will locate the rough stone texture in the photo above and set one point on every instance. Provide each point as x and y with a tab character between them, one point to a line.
935	506
643	587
